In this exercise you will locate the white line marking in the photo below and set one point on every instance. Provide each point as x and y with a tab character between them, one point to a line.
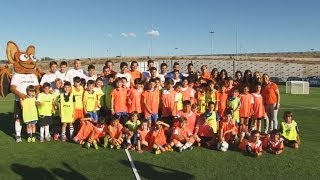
134	169
303	107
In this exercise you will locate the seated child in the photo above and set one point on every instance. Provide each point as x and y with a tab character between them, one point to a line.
142	136
114	134
290	131
228	130
157	140
130	129
85	130
182	138
98	133
275	142
254	145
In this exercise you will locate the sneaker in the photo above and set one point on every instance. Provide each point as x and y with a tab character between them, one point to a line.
87	145
170	149
105	142
18	139
41	139
158	151
190	148
48	138
118	146
95	145
29	140
64	138
180	149
33	139
56	137
111	146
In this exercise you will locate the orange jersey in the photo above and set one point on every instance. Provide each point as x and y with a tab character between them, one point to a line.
157	137
115	131
152	100
119	100
227	126
206	75
246	105
134	96
168	102
255	147
258	106
222	103
276	145
100	131
187	93
181	132
268	93
204	129
143	134
191	119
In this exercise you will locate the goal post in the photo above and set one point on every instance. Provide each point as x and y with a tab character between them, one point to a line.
297	87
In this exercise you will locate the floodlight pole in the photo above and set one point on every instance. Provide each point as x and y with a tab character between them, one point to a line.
211	32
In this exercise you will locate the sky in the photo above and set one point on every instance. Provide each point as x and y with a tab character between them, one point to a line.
97	28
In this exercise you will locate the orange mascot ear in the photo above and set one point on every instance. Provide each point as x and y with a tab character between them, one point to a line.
12	48
31	50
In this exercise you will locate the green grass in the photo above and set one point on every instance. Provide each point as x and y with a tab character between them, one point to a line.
57	160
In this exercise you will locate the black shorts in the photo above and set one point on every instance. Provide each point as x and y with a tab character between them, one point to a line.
169	120
17	111
289	142
45	120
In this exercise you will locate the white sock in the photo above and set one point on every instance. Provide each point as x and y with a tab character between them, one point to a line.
187	145
71	131
18	128
42	131
129	141
179	144
46	131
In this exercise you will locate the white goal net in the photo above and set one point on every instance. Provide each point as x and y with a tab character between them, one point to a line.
297	87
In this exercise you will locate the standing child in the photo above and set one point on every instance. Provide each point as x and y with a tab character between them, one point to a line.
77	91
67	107
118	101
56	91
223	101
212	94
290	131
201	97
245	112
168	97
258	111
90	101
134	96
234	104
114	134
131	128
29	112
254	146
99	92
150	100
106	99
45	102
179	97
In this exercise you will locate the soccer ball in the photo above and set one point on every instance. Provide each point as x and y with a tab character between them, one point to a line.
223	146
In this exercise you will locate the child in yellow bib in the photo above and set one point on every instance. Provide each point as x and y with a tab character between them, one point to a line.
30	113
290	131
98	90
77	91
90	101
67	107
45	102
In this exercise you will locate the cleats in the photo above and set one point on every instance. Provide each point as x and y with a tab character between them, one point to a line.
87	145
48	138
111	146
95	145
29	139
190	148
180	149
158	151
18	139
118	146
105	142
41	139
33	139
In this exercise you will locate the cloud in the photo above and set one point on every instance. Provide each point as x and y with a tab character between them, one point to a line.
153	33
130	34
109	35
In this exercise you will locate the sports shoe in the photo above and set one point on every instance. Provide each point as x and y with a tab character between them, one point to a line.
190	148
33	139
118	146
48	138
158	151
105	142
41	139
180	149
170	149
29	140
18	139
95	145
87	145
111	146
55	137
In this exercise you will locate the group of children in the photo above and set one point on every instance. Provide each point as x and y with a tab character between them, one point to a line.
155	114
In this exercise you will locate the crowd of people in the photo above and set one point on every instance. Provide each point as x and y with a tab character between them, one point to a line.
154	110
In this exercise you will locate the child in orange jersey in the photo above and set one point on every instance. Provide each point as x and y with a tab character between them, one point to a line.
168	101
258	111
254	145
150	100
187	113
275	143
246	107
223	101
118	101
77	91
229	86
97	134
187	91
142	136
134	96
85	130
182	138
228	130
114	134
157	140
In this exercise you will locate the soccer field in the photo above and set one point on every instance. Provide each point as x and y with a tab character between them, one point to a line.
57	160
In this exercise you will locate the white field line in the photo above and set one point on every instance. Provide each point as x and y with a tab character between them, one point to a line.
301	107
6	100
134	169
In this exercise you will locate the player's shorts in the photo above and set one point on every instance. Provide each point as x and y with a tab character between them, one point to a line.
78	114
153	118
94	116
17	111
45	120
31	122
289	142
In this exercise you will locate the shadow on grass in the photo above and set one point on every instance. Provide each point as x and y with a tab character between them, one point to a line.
7	124
151	171
27	172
